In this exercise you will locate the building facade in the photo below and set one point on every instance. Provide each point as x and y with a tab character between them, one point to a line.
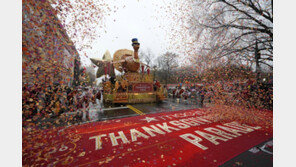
49	57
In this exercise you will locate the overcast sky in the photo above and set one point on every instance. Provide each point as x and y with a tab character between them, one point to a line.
142	19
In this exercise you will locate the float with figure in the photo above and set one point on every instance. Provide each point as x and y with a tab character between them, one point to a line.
135	84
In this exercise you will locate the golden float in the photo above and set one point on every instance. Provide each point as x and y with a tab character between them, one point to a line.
134	85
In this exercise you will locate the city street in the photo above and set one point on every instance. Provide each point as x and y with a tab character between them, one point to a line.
167	134
147	83
143	109
98	113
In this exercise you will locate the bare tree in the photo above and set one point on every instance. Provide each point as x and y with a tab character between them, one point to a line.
147	57
233	28
166	64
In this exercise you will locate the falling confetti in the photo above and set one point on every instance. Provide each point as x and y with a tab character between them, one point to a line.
221	61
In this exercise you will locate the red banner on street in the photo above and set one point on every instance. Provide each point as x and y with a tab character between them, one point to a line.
179	138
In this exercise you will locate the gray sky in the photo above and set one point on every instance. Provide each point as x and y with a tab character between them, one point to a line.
142	19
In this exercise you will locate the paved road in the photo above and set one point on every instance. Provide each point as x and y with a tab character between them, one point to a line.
256	156
166	106
98	113
165	147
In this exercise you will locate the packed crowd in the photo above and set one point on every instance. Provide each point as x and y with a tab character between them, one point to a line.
52	101
246	93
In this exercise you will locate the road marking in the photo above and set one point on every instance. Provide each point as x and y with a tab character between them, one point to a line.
135	110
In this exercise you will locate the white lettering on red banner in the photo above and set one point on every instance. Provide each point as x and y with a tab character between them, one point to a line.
215	135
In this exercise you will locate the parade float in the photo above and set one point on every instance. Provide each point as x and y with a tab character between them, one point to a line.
134	85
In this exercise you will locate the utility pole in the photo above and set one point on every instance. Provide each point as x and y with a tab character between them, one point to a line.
257	57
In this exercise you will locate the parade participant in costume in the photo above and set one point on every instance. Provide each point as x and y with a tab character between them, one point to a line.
117	85
124	84
157	83
165	91
181	91
98	95
174	92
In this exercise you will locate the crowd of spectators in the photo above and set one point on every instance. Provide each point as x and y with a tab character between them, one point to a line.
244	93
41	101
52	101
195	93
